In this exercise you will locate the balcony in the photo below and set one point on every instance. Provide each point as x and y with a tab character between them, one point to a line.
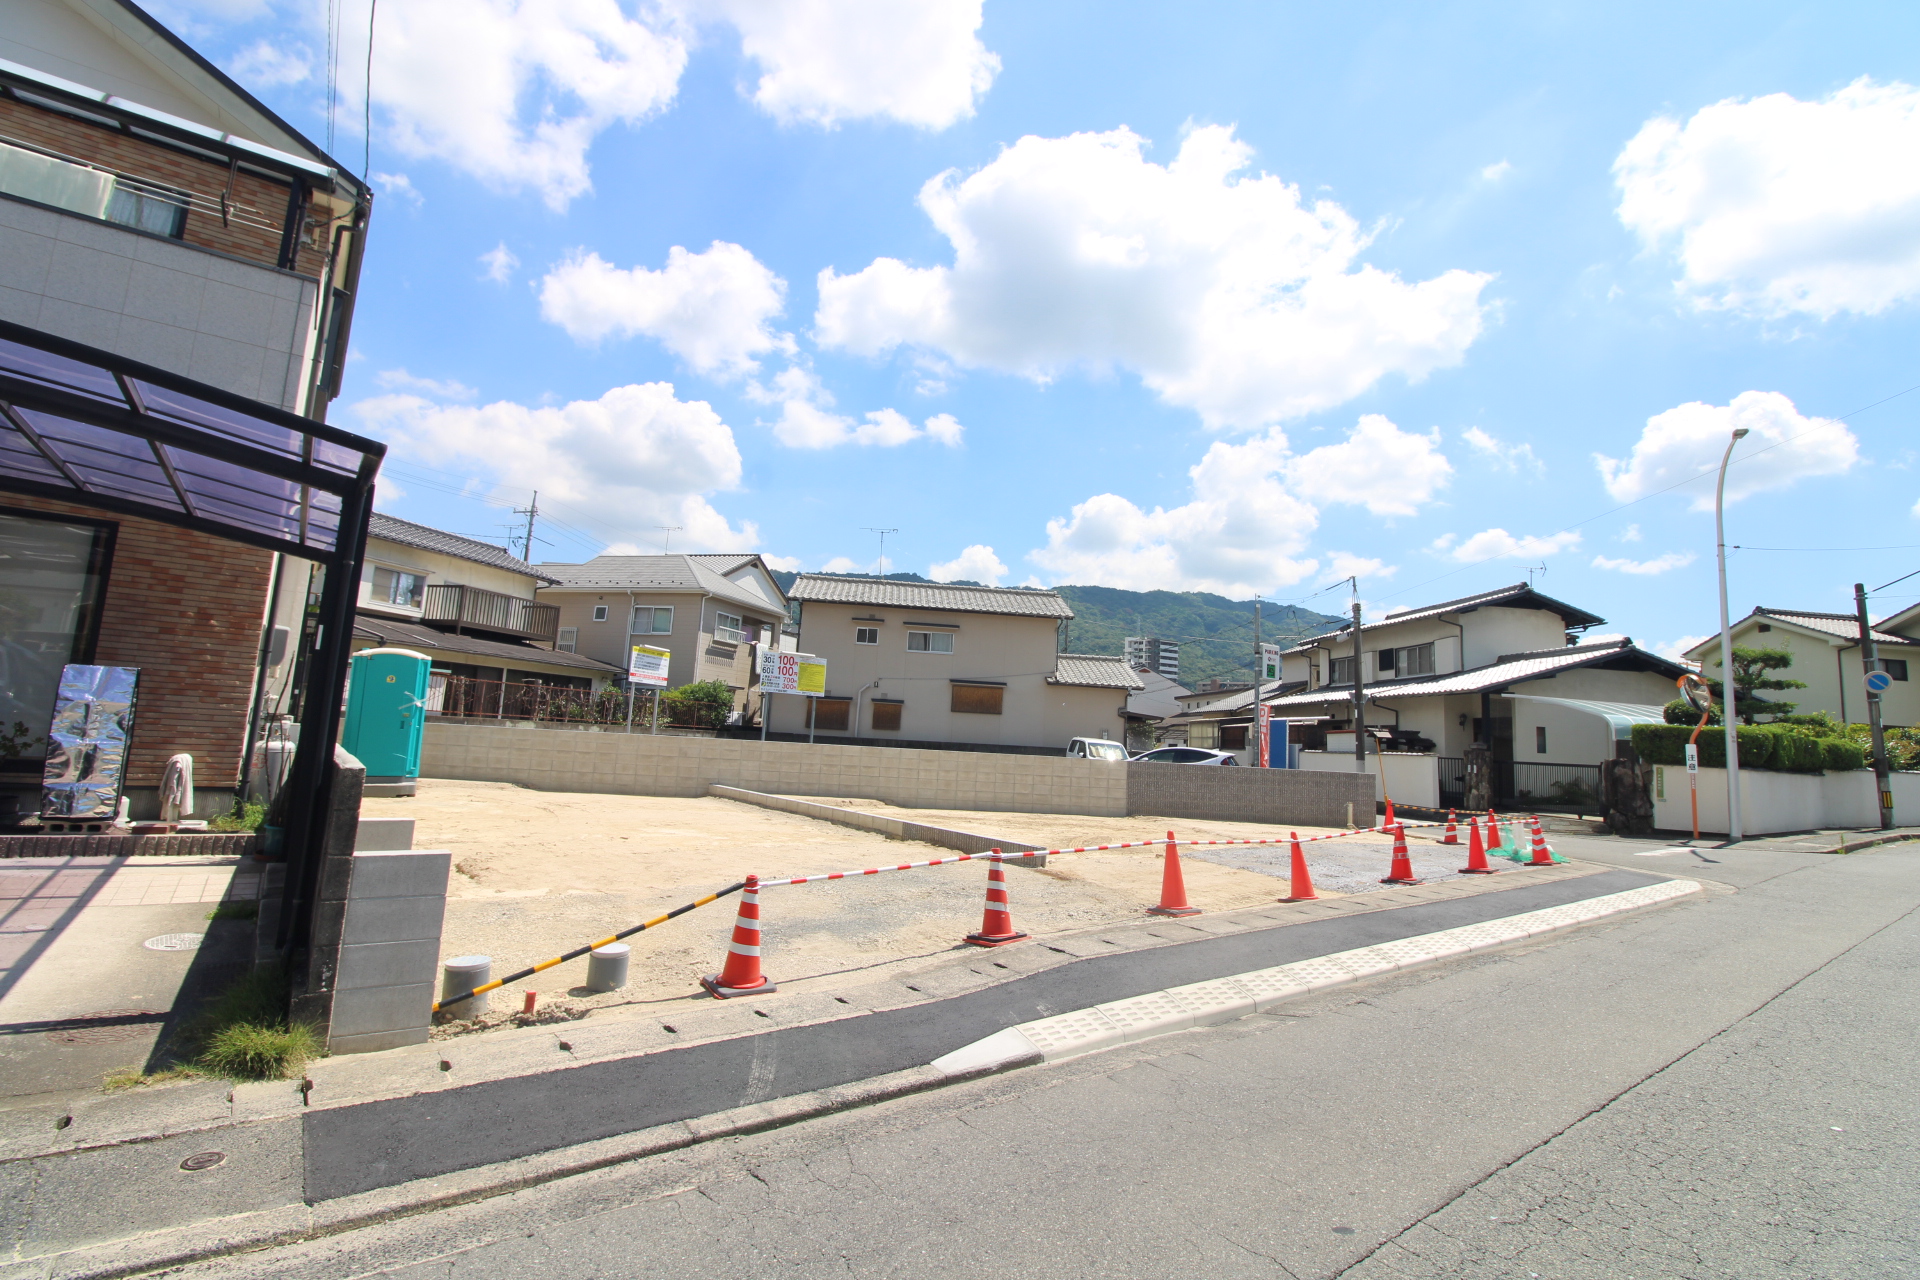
484	610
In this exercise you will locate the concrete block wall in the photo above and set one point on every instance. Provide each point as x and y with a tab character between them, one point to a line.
383	989
641	764
1279	797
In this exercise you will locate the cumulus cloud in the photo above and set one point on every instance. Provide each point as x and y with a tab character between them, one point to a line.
1676	650
1498	544
1254	509
1646	568
398	186
500	263
1775	205
714	309
781	564
438	388
635	458
1221	289
1344	564
267	65
975	564
1686	442
827	61
841	564
807	420
1514	458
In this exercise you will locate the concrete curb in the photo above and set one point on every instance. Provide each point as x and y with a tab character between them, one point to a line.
881	824
1205	1004
1861	846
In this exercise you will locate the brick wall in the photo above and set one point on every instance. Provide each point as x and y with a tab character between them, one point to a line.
259	198
186	608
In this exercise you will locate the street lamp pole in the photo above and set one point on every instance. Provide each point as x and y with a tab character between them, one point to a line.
1726	648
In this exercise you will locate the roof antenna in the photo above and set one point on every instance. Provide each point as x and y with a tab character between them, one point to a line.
1532	569
883	545
669	530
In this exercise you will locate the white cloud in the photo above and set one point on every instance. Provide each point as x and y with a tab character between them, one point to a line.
1647	568
976	564
1220	289
398	186
946	428
1513	458
1496	171
1774	205
807	421
713	309
634	458
841	564
783	564
1344	564
1496	544
1388	471
500	262
1630	534
266	65
1686	442
1675	650
827	61
439	389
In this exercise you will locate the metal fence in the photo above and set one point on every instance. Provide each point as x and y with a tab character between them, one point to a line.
497	700
1573	788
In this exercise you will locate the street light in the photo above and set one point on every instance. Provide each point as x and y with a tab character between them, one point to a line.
1726	649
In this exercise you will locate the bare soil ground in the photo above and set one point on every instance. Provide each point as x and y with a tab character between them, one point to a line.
537	873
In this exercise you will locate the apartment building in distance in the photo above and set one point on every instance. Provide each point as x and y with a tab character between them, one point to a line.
1150	653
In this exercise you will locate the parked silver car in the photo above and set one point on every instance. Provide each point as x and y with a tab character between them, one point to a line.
1184	755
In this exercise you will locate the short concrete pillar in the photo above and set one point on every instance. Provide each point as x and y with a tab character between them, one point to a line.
464	973
607	967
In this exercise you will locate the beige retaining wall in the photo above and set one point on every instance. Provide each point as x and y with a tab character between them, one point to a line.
640	764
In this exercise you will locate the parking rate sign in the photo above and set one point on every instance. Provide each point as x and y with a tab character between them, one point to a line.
800	673
648	665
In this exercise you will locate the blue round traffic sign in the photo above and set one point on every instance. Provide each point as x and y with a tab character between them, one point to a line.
1878	681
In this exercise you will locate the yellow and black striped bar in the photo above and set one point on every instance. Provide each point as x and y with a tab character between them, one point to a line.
577	952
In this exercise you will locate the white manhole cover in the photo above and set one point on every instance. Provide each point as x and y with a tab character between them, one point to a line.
174	942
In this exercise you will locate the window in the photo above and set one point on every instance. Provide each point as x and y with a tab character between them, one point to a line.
1408	660
1340	671
829	713
651	620
866	635
149	208
886	715
1895	667
599	613
397	587
933	642
1233	737
1540	739
978	699
51	572
726	626
569	639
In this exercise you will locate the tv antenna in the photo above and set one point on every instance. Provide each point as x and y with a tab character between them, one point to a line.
1532	569
669	530
883	545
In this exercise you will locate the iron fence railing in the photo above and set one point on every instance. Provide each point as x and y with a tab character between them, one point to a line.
496	700
490	610
1571	787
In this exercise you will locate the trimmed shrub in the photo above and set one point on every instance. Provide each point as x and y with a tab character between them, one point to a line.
1680	711
1667	743
1839	755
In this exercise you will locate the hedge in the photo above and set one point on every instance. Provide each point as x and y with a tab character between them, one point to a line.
1762	746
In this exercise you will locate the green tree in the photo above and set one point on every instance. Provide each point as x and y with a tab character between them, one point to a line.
1750	668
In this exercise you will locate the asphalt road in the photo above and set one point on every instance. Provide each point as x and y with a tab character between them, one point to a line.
1721	1088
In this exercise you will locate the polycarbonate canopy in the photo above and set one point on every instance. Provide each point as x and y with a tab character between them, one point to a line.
87	426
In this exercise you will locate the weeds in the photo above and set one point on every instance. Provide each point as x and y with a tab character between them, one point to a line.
248	909
243	1033
244	817
135	1078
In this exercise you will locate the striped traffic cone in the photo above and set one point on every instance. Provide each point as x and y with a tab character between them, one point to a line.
1387	819
1476	853
1542	856
996	925
1302	882
1453	834
741	975
1402	872
1493	832
1173	886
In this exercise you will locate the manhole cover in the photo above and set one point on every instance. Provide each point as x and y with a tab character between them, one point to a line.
204	1160
174	942
108	1026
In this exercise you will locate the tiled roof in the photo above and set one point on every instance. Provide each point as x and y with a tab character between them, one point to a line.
1846	626
507	653
1095	670
1510	668
659	573
1023	602
409	534
1519	591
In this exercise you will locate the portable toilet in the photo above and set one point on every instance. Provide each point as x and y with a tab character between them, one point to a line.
387	717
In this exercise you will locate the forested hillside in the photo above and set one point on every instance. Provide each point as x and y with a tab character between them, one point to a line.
1215	634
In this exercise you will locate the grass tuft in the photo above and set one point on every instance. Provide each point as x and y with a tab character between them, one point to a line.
248	1051
244	909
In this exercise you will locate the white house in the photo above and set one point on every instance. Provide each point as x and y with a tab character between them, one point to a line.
1827	659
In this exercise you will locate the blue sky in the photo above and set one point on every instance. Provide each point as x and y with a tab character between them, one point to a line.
1230	297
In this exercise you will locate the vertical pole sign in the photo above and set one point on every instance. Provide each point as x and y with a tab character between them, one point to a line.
801	674
1695	691
1263	714
647	666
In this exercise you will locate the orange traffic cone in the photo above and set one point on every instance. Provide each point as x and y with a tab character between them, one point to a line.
1453	834
1387	820
1542	856
1302	882
1476	853
741	975
1173	886
1493	832
996	924
1402	872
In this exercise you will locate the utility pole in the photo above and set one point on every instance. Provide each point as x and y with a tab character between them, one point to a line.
883	545
1359	689
531	510
1870	662
1731	718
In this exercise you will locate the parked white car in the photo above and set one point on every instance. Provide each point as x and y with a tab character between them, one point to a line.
1185	755
1096	749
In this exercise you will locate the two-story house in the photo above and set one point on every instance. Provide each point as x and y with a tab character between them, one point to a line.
1828	659
708	611
469	606
936	663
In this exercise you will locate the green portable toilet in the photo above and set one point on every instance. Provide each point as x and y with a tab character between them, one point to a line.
387	717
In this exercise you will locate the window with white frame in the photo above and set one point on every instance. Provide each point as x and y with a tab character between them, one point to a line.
866	635
1408	660
929	642
726	627
599	613
568	641
651	620
398	587
1340	671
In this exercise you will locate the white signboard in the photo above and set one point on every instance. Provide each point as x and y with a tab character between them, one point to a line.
1693	758
648	665
800	673
1269	662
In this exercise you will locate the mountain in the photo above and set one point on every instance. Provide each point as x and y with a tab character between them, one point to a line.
1215	634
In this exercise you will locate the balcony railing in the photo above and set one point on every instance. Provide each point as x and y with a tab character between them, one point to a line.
491	611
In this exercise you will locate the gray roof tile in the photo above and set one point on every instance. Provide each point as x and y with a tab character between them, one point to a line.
1095	670
409	534
674	572
1023	602
1574	617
